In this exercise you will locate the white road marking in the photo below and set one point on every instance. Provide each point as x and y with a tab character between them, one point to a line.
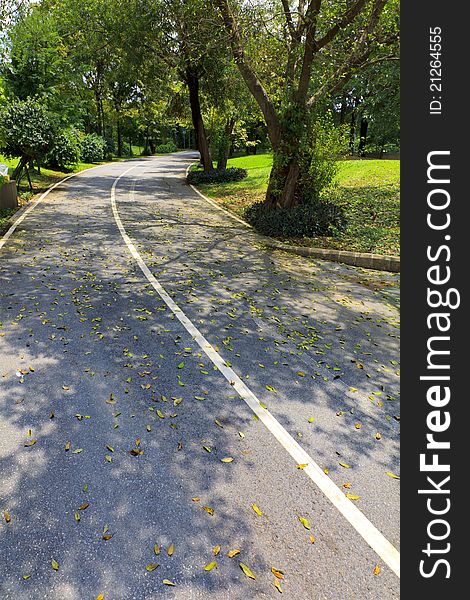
23	215
376	540
215	203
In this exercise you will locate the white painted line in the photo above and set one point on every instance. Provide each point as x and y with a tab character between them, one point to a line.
215	203
387	552
33	205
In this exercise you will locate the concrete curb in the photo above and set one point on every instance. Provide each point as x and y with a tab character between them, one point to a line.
380	262
366	260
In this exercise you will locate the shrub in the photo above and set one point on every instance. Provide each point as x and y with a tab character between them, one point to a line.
166	148
26	132
216	175
110	147
66	150
93	148
303	220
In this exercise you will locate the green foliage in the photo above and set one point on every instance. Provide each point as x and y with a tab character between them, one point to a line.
26	130
216	176
324	146
93	148
304	220
166	148
36	60
66	150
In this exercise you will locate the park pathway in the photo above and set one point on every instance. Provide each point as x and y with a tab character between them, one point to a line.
138	324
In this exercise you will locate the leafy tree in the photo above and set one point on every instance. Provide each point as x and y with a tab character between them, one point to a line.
26	132
319	46
36	58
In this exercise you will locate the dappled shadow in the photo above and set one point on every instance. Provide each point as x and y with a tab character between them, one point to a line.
92	356
330	323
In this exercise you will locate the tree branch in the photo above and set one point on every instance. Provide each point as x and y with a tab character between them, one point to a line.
248	74
309	51
356	59
345	20
289	21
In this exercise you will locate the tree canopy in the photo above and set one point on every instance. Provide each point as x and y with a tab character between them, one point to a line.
215	74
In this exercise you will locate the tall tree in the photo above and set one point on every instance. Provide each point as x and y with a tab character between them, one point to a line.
320	46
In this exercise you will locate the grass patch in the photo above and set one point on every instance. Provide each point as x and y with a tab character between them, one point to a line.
5	214
368	191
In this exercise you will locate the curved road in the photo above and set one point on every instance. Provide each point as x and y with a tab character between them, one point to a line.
164	380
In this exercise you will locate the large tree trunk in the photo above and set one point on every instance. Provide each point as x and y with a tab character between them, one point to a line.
283	183
192	81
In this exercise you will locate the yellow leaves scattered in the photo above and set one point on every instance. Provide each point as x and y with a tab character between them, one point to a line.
352	496
30	443
156	549
100	597
311	538
234	552
6	516
227	459
216	550
67	446
171	549
257	510
376	570
344	465
304	522
168	582
248	572
54	564
277	573
277	585
392	475
301	466
378	436
84	506
151	567
209	510
210	566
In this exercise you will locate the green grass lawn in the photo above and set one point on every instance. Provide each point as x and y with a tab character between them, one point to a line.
366	190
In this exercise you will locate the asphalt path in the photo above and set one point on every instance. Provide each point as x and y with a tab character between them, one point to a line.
127	303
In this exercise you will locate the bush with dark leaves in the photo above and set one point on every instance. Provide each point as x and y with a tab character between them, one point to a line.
304	220
216	176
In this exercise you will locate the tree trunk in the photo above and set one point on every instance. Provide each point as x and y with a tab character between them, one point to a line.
18	172
352	132
224	150
192	81
282	189
362	136
120	148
